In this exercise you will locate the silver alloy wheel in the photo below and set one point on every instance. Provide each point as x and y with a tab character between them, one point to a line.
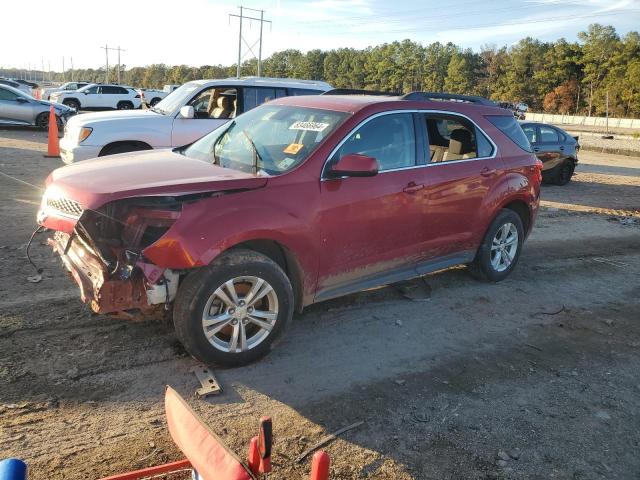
504	247
240	314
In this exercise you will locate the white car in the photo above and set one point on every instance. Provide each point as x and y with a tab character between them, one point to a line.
99	96
45	92
185	115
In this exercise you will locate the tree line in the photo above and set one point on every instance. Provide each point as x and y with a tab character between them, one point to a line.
557	77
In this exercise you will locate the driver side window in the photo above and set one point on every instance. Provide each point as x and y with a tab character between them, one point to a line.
215	103
7	95
390	139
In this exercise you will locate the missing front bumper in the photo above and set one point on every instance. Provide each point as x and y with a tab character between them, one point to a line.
97	289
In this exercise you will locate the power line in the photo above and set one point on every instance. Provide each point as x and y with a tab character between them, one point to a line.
241	39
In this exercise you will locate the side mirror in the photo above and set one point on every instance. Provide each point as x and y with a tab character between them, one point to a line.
355	165
187	112
86	92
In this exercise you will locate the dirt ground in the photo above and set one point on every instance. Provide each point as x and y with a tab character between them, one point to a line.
535	377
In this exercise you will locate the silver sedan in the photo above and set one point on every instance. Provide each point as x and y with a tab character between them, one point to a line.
18	108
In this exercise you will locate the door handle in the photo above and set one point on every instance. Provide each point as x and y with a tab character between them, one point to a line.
488	172
561	148
536	149
413	188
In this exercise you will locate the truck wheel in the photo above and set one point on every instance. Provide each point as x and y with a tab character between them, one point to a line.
500	249
125	106
72	103
231	312
155	101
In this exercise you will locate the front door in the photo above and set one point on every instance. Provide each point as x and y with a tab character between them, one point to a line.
213	107
14	111
373	226
462	169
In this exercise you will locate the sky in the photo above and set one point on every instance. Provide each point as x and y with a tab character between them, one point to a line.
201	32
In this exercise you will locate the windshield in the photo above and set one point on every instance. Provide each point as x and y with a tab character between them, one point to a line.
177	98
270	139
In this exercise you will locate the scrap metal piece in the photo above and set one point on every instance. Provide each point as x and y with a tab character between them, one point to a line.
210	385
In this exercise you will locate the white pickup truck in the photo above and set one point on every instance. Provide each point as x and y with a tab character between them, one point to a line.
188	113
152	96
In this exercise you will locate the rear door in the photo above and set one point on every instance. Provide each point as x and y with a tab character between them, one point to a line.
548	147
463	167
374	225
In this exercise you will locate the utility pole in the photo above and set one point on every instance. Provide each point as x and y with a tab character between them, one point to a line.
72	69
106	51
607	111
241	39
64	73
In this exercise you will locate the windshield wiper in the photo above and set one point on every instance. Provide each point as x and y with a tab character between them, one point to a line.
256	154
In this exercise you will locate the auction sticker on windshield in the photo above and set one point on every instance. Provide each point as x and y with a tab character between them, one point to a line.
293	148
309	126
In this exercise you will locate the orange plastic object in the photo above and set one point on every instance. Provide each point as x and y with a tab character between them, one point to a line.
208	454
53	148
320	466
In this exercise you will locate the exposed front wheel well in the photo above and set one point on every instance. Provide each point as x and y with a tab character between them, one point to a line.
522	210
124	146
285	260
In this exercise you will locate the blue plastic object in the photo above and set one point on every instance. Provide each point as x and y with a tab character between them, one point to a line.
13	469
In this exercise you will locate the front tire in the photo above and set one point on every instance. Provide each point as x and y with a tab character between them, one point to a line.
500	249
155	101
42	122
231	312
73	104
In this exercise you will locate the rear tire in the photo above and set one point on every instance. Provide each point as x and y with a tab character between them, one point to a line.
207	324
500	249
125	106
563	172
155	101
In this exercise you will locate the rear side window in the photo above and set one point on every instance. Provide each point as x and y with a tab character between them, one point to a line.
452	137
512	129
548	134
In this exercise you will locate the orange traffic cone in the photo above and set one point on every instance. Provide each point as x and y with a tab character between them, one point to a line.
53	149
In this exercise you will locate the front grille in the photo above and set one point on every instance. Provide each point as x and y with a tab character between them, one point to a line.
66	206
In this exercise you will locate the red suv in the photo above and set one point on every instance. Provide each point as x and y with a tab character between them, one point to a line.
297	201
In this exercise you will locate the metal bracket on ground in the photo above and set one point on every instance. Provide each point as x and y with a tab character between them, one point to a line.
208	380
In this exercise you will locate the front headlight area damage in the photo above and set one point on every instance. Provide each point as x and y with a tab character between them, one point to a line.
104	254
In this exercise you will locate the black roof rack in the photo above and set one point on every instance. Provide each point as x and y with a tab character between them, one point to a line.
453	97
357	91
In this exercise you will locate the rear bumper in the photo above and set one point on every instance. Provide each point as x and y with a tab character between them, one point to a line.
97	289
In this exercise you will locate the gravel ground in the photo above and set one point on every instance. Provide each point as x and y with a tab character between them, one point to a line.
532	378
595	142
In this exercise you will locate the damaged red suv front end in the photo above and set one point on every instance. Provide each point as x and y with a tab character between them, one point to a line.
104	238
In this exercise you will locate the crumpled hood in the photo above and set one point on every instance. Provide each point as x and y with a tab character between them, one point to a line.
58	106
93	183
119	116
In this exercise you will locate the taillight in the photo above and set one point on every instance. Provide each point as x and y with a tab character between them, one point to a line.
539	166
